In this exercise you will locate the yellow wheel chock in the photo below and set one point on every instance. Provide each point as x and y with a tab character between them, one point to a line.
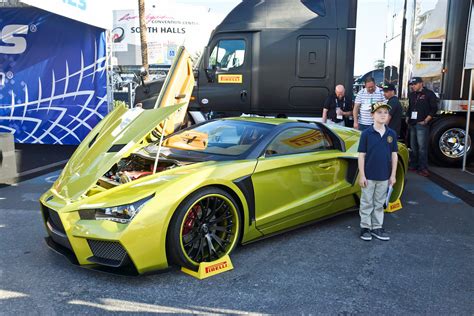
208	269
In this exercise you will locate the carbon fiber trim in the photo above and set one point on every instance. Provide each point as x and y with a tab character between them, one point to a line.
116	148
55	221
109	253
245	185
87	214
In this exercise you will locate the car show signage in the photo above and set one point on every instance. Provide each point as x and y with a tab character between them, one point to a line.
309	138
229	78
208	269
394	206
168	27
52	83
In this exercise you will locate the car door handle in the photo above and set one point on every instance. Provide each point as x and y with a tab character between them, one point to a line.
326	164
243	95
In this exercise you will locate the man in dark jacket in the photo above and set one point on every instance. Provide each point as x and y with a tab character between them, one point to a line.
395	114
338	108
422	106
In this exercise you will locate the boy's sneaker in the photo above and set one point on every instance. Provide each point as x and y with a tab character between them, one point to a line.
365	234
380	233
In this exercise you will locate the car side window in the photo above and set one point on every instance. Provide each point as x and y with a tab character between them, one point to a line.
298	140
228	54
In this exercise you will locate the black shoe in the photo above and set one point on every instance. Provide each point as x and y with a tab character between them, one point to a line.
365	234
379	233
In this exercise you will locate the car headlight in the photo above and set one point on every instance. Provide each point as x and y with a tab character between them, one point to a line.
122	213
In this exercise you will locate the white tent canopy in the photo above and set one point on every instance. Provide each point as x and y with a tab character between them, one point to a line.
469	59
92	12
469	64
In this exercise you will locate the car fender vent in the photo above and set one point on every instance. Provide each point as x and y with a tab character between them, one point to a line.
55	221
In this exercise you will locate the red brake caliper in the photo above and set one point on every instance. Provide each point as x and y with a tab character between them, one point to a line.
190	219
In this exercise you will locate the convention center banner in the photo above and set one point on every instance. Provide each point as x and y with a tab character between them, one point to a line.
53	83
169	26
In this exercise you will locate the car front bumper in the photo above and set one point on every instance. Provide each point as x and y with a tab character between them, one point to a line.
103	244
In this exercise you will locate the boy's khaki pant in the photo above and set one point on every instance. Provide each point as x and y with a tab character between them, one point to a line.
371	204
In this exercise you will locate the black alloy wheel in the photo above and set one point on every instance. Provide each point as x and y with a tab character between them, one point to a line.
204	228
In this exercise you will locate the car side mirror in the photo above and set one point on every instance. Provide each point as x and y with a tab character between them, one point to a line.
205	57
210	72
143	72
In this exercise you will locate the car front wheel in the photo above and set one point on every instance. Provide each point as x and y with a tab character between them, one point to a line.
204	228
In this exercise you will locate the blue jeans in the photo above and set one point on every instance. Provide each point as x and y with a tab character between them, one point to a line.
419	146
363	127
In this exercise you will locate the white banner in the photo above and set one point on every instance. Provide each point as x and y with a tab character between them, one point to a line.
93	12
469	61
169	26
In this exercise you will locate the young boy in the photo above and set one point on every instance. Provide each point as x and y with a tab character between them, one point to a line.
377	168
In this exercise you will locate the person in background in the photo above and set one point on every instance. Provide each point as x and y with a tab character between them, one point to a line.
395	115
337	107
377	168
422	106
363	102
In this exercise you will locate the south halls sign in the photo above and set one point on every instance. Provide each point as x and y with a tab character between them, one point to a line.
52	82
169	26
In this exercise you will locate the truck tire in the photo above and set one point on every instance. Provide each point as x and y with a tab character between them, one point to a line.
447	141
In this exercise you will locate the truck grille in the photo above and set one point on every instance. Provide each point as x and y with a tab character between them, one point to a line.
109	253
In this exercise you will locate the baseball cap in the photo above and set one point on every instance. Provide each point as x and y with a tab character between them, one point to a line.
378	105
388	87
415	80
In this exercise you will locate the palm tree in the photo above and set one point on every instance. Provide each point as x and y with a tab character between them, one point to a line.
143	33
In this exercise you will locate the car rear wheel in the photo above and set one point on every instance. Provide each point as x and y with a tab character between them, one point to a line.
204	228
400	184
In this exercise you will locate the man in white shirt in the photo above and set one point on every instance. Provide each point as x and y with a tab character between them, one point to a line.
363	102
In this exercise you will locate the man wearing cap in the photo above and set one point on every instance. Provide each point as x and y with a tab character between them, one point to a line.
337	107
395	114
377	164
422	106
364	100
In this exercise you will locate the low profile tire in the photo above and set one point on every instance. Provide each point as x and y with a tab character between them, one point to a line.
448	141
400	184
204	228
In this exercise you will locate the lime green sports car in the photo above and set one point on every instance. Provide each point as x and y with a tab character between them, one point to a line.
135	195
211	187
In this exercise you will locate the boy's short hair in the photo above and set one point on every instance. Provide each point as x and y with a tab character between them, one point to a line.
378	105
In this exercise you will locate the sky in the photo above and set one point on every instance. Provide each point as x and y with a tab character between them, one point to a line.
370	34
370	30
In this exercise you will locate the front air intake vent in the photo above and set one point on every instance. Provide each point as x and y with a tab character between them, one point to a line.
54	220
109	253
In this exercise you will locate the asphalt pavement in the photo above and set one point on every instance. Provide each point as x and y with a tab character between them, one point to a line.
426	268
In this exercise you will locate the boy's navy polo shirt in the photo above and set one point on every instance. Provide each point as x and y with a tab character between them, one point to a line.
378	152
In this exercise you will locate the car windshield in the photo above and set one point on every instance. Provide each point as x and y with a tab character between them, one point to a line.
221	137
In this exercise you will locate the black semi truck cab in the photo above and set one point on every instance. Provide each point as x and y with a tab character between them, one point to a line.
271	57
277	57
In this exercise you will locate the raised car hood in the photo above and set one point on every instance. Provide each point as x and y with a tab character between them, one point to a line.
116	136
122	131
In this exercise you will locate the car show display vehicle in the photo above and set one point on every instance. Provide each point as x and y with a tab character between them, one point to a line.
138	194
